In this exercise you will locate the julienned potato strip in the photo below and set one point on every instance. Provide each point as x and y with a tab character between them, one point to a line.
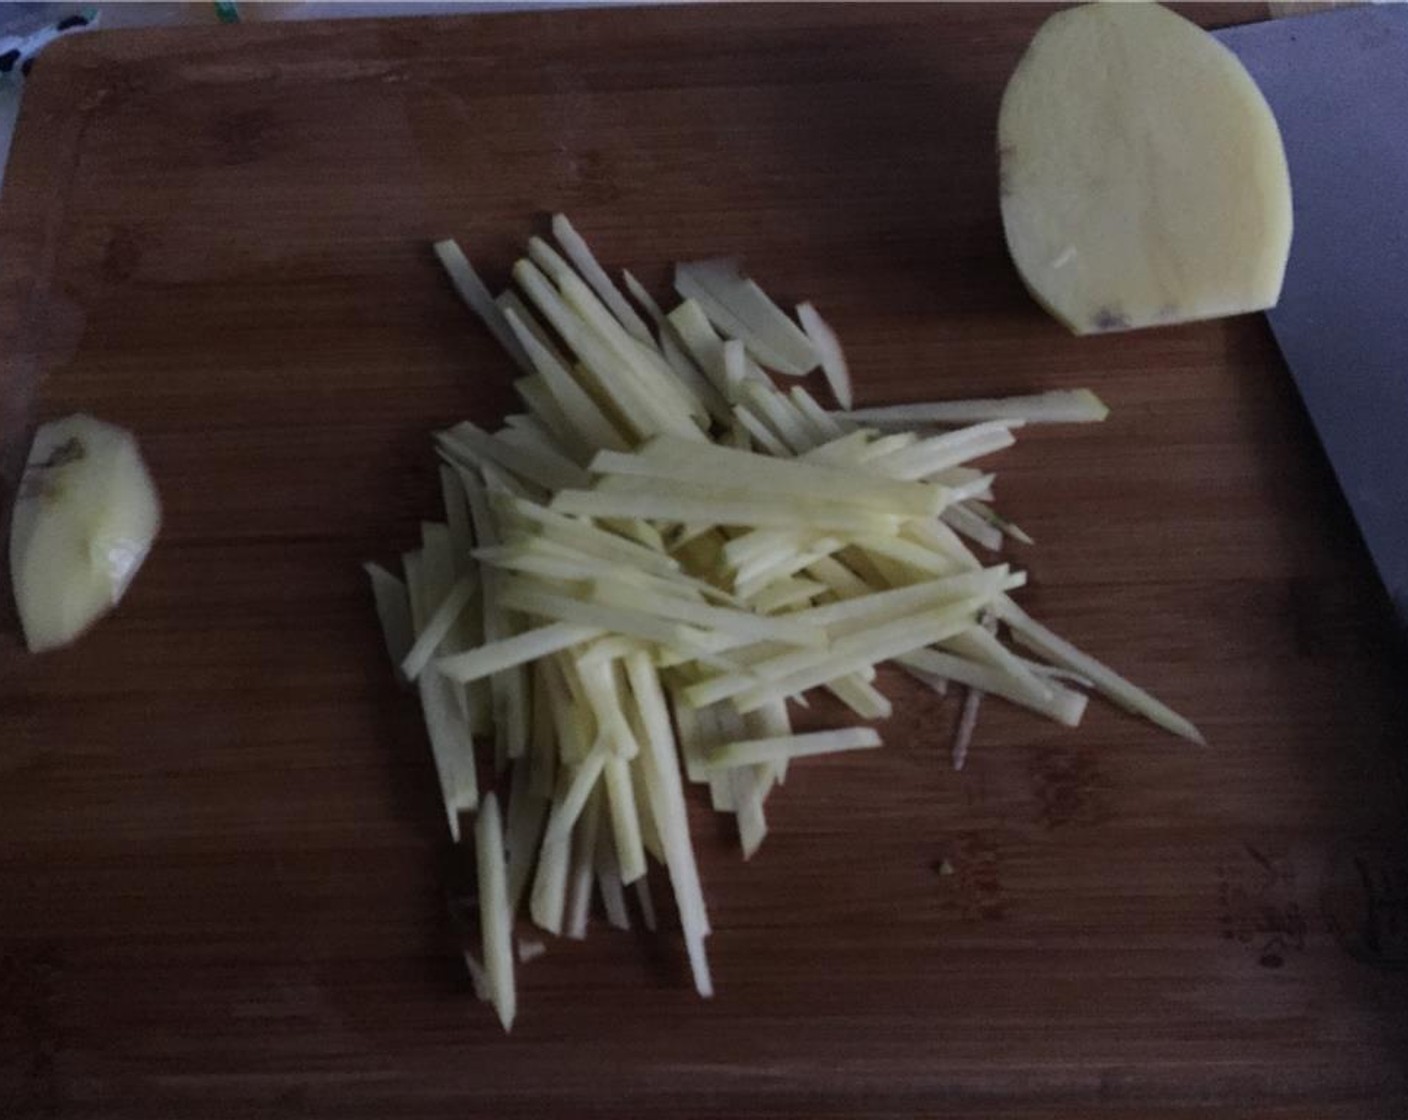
646	567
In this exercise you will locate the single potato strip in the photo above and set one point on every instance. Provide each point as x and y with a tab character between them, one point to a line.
517	650
749	751
666	499
1060	406
705	465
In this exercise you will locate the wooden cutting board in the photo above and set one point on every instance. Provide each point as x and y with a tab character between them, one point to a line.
223	872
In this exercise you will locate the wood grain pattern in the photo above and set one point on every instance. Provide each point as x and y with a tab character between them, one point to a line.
222	874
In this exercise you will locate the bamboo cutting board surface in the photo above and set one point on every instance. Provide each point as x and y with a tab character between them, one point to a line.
222	871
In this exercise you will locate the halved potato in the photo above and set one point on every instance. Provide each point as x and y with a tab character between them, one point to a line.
1142	174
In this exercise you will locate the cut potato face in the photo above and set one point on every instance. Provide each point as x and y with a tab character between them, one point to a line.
1143	179
85	518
